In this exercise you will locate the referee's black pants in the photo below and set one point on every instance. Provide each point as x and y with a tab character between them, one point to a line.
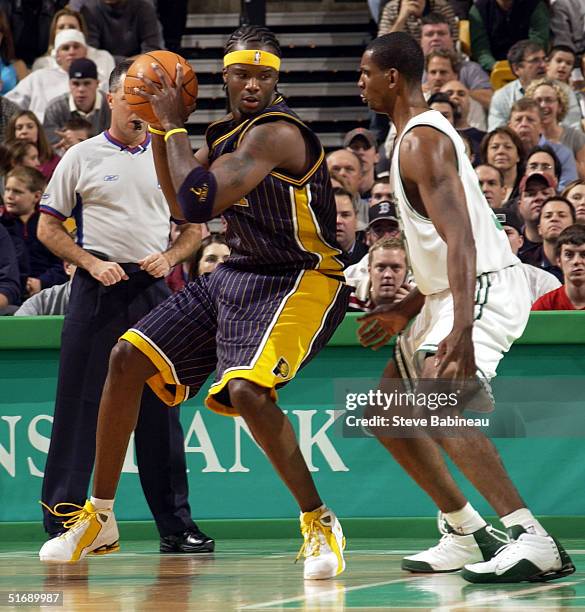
96	318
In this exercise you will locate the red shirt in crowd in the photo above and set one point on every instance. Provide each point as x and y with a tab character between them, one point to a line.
554	300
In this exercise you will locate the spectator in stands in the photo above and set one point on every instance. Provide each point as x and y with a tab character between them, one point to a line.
503	149
29	20
552	98
491	181
346	227
362	142
442	67
50	301
68	19
381	191
25	126
83	100
348	166
567	22
526	121
125	28
383	225
535	189
74	131
461	97
539	281
575	193
544	160
560	63
7	110
36	90
22	194
570	254
23	153
435	34
556	214
444	105
528	62
386	279
173	18
497	25
406	16
9	274
12	69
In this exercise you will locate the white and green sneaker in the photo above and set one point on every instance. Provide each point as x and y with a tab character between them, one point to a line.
454	550
527	558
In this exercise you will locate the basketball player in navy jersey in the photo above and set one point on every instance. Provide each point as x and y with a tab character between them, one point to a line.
260	316
471	302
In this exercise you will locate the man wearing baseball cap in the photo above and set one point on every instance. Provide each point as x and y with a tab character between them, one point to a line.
540	281
363	143
534	190
84	100
36	90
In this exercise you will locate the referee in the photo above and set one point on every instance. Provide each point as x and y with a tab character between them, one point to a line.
108	184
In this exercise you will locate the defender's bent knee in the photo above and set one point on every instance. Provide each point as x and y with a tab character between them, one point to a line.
246	396
127	362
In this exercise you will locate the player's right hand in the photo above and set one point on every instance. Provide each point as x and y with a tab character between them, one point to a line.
107	272
379	326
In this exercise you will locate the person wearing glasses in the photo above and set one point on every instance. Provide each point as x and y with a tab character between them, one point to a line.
527	61
544	160
553	99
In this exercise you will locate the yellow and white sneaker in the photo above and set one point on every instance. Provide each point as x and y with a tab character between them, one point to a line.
88	531
323	545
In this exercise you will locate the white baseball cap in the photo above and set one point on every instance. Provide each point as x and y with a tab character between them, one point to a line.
68	36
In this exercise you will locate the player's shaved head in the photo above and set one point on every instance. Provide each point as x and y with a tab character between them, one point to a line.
399	51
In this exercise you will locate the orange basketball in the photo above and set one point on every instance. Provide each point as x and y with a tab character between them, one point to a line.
168	61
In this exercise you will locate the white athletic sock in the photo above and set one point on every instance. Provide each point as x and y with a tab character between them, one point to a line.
526	519
101	504
465	521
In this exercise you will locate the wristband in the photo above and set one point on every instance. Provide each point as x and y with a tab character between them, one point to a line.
175	131
197	195
155	131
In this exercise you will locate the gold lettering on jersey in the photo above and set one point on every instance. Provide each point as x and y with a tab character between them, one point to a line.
242	202
200	192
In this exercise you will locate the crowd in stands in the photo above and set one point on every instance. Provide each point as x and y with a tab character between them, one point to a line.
509	75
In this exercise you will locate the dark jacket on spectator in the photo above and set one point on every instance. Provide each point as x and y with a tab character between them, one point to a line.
34	259
125	30
9	280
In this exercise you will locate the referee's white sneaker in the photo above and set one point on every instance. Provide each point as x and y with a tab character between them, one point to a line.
323	544
89	531
528	558
454	550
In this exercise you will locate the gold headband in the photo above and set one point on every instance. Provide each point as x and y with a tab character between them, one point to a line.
253	57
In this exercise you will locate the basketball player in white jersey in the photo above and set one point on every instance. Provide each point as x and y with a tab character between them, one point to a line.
471	302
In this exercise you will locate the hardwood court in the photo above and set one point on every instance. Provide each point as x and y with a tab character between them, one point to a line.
260	575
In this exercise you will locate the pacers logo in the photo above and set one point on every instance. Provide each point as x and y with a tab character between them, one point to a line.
257	57
200	192
282	368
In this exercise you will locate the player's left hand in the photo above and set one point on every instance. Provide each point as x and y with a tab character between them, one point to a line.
156	265
455	357
33	285
166	100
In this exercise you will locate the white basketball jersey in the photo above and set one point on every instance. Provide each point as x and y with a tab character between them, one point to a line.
427	251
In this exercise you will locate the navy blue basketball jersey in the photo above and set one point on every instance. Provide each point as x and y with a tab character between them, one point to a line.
287	222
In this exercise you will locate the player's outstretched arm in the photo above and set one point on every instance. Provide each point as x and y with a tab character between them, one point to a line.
439	193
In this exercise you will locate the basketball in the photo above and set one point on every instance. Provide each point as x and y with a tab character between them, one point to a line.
168	62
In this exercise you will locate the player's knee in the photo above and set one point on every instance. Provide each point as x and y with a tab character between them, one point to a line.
127	362
245	396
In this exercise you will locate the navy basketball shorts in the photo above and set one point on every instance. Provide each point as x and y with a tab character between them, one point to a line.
243	325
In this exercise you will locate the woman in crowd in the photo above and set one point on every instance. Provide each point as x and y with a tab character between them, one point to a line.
26	126
503	149
554	103
23	153
66	19
12	70
575	193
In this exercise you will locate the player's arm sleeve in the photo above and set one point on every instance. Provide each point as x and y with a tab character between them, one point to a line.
60	198
481	50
